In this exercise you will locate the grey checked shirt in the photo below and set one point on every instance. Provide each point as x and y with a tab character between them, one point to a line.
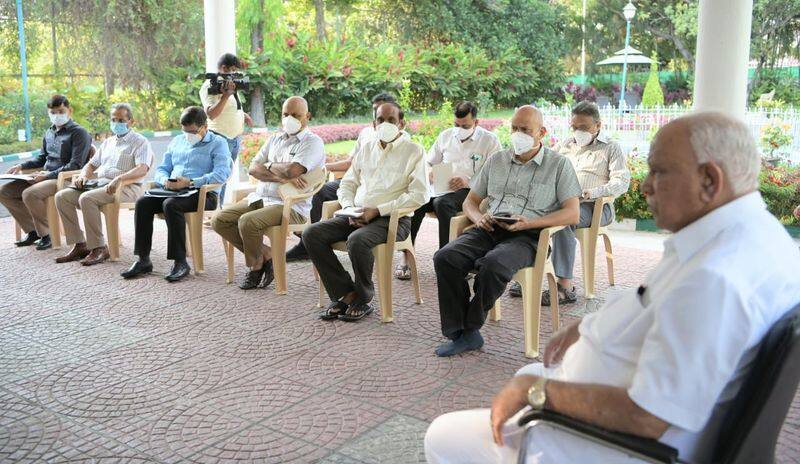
534	189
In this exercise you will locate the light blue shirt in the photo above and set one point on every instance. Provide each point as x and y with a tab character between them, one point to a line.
207	162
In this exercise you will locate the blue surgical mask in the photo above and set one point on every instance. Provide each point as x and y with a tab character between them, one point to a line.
119	128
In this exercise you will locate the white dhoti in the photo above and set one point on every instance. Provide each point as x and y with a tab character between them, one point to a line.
465	437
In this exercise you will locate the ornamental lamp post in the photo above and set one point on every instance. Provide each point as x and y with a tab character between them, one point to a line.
629	11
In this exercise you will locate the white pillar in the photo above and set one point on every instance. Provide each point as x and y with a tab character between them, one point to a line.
723	51
220	30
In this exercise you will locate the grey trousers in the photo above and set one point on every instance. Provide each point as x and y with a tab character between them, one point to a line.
563	249
318	239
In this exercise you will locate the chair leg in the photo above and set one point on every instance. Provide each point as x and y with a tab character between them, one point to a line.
412	264
112	230
196	233
190	238
588	251
229	250
17	231
383	266
54	222
531	309
609	258
553	284
277	242
496	313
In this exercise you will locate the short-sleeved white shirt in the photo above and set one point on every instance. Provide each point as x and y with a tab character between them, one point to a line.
683	347
304	148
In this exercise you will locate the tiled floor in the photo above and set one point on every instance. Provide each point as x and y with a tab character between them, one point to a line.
99	369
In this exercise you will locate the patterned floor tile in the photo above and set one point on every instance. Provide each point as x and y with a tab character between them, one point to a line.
396	441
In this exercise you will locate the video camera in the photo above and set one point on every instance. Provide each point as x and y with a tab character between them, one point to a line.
218	79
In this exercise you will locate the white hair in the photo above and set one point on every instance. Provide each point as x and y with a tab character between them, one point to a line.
125	106
727	142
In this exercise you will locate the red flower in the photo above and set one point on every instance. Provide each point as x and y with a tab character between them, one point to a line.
305	58
347	71
291	42
282	79
401	55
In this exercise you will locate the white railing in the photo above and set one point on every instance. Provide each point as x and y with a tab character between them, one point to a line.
634	128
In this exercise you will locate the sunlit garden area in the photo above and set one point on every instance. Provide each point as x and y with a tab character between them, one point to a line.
103	363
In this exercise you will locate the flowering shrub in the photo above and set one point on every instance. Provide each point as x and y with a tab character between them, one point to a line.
775	135
779	186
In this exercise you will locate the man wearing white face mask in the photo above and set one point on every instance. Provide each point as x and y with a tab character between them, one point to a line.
65	147
602	171
466	146
284	158
387	173
535	188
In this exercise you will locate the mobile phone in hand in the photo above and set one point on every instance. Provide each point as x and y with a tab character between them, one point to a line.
172	180
504	217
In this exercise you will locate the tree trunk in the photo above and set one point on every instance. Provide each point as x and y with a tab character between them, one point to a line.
256	96
319	6
53	36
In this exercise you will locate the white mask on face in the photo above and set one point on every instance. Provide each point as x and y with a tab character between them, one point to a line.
464	134
386	132
291	125
58	120
583	138
522	142
193	139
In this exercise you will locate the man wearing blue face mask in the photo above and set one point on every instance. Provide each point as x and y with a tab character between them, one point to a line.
125	158
193	159
65	147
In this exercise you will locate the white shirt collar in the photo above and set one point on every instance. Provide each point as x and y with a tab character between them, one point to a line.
692	238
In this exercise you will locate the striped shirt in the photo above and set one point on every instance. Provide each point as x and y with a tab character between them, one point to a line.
601	166
118	155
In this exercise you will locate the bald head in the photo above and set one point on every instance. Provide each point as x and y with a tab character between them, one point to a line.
529	115
527	120
296	107
697	164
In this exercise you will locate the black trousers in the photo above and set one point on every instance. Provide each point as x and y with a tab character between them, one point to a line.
445	207
360	241
497	256
326	193
173	210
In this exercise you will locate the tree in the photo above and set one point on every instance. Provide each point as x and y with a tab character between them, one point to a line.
653	94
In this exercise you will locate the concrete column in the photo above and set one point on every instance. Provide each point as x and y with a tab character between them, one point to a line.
220	30
723	51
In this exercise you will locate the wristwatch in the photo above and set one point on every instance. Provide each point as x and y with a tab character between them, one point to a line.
191	183
537	394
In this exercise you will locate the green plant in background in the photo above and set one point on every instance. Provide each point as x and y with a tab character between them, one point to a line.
774	136
653	94
632	204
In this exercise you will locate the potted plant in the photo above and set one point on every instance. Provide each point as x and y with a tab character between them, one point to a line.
774	137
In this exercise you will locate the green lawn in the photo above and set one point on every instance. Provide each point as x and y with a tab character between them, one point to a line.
341	147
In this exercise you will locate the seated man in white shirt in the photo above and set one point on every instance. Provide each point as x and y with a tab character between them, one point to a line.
285	157
465	146
125	156
665	360
328	191
602	171
387	173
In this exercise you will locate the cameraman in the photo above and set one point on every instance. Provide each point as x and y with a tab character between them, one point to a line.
225	114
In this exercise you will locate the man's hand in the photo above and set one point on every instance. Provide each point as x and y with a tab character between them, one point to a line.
248	120
558	344
487	223
39	177
113	186
458	183
16	169
228	88
586	195
180	183
511	399
369	215
521	224
299	183
78	181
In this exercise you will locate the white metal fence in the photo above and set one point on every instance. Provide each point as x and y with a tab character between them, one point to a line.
635	127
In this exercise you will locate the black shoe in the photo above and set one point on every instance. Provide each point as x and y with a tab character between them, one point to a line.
138	268
44	243
515	290
253	279
269	274
29	239
179	271
297	253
